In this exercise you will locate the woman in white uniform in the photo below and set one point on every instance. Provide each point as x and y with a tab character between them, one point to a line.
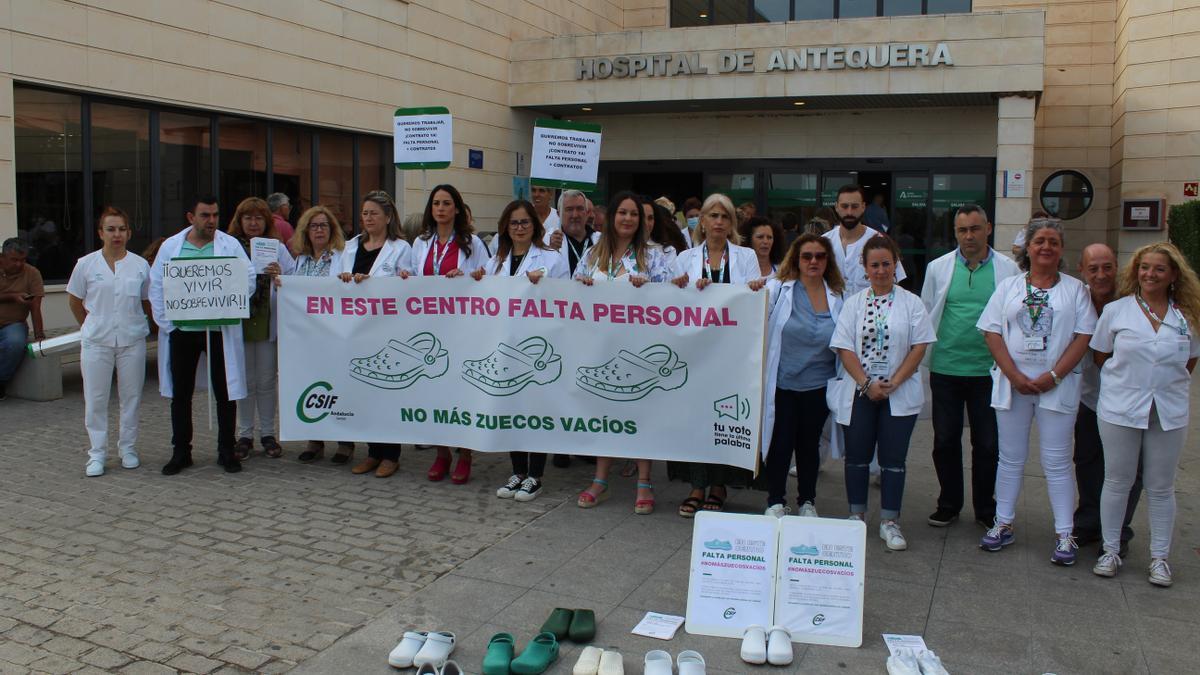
447	247
1037	326
108	294
520	251
1146	345
623	253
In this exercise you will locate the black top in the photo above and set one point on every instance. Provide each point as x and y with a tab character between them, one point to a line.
364	259
514	261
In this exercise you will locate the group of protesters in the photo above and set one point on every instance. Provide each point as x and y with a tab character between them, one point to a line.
851	356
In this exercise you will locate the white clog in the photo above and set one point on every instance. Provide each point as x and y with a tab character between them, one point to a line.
436	649
754	645
779	646
690	663
402	655
589	661
657	662
611	663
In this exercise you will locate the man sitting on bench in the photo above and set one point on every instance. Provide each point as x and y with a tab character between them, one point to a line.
21	295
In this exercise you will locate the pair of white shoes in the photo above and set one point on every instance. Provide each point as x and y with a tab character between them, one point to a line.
761	645
907	662
95	467
658	662
597	661
424	650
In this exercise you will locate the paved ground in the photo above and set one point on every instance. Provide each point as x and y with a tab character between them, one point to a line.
287	565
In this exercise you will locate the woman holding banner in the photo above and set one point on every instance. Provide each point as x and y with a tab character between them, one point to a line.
108	294
253	220
320	242
717	260
447	247
623	252
880	336
380	251
520	251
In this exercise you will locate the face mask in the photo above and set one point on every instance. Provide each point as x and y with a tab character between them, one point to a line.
693	222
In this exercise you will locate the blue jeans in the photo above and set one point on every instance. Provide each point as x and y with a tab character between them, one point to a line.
872	426
13	339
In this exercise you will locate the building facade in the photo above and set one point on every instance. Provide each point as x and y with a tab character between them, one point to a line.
1076	107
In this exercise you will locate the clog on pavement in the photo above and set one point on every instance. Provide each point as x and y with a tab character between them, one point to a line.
657	662
537	655
754	645
499	654
402	655
690	662
436	649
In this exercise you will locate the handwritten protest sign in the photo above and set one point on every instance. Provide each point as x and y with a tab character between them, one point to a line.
565	155
206	291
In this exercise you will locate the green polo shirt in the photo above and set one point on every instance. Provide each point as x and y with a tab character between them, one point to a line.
188	250
960	349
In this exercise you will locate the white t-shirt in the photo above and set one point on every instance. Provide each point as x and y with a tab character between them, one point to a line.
1036	348
1145	367
849	260
113	299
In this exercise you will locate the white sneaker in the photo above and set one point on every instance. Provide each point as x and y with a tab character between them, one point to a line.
861	517
509	489
1160	573
1107	565
130	460
529	490
94	468
792	471
930	663
777	510
903	662
889	532
807	510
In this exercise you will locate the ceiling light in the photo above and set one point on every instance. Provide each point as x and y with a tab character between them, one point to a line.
797	102
703	15
586	109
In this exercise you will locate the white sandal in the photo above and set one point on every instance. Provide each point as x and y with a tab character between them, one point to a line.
402	655
437	648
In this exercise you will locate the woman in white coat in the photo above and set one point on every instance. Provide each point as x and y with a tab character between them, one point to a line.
520	251
717	260
881	337
1037	326
319	242
447	247
805	303
108	294
1146	345
380	251
252	219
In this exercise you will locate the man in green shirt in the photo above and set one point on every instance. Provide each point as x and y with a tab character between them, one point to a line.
957	288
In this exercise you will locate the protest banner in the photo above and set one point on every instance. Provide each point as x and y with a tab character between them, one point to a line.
502	364
566	155
209	291
422	138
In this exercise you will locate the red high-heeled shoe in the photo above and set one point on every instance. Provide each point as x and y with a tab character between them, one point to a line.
440	467
462	470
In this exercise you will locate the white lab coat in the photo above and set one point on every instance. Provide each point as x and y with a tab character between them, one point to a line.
564	250
536	259
231	336
938	276
423	248
1146	367
849	260
780	302
743	264
908	325
395	255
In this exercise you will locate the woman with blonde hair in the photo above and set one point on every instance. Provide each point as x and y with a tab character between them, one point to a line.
1145	344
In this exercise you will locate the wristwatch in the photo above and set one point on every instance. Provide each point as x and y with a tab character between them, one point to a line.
1057	379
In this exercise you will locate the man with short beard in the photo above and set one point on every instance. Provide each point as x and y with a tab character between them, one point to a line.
850	236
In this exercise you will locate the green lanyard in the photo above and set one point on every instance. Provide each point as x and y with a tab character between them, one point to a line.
628	252
1036	301
881	319
1173	308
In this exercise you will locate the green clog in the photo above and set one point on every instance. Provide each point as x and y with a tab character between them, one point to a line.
538	655
583	626
499	654
559	623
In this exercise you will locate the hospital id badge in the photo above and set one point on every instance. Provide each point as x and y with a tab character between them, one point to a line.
1035	343
878	368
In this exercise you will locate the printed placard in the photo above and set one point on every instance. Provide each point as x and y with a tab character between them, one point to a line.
732	580
822	572
263	252
208	291
566	155
423	138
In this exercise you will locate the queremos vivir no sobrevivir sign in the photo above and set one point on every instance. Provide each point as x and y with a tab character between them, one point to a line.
838	57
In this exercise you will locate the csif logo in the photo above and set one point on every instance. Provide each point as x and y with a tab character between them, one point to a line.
316	402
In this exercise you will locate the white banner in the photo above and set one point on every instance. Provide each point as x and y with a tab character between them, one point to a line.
501	364
206	290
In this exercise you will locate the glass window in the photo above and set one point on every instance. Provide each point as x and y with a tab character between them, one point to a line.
832	182
814	9
49	157
791	200
689	13
901	7
185	166
242	159
371	176
291	166
336	176
948	6
950	191
121	166
910	203
848	9
1066	194
730	11
739	187
772	10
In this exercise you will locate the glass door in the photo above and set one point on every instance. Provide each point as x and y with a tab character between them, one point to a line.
791	200
910	219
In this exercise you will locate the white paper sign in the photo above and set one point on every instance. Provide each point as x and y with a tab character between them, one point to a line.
206	290
1139	213
658	626
732	581
423	138
822	568
565	154
894	642
1016	183
263	252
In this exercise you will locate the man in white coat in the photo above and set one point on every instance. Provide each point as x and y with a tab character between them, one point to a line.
957	288
849	237
179	347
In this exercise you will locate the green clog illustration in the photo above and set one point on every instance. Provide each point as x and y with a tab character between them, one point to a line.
629	377
507	370
400	364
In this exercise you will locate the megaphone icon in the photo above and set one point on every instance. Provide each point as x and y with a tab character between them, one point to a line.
733	406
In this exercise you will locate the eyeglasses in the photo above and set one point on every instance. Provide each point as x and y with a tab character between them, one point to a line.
809	255
318	226
516	224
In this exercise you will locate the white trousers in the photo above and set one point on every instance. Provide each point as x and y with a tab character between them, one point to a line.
1056	431
1159	451
261	394
97	362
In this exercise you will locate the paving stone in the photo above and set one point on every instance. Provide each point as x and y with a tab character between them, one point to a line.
245	658
103	657
147	668
194	663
